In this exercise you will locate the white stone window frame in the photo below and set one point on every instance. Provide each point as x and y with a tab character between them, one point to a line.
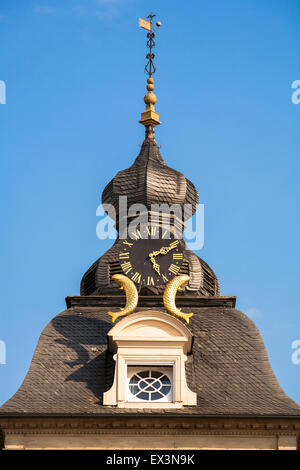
150	338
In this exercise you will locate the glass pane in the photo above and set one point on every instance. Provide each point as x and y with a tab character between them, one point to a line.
155	374
144	373
143	396
165	389
143	384
134	389
134	380
165	380
157	384
156	396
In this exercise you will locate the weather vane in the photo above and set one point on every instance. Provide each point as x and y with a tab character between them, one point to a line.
148	25
150	118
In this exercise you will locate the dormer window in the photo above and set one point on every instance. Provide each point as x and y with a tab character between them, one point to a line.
150	349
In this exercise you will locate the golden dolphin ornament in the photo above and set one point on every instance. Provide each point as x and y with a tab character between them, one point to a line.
131	293
170	294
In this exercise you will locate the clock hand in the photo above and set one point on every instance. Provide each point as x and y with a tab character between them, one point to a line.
152	256
173	245
164	250
156	266
154	253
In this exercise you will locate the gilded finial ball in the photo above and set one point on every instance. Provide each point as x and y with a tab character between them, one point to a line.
150	98
158	24
150	86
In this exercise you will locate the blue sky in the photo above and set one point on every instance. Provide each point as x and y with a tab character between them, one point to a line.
75	85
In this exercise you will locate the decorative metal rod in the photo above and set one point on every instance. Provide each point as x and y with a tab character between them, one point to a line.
150	68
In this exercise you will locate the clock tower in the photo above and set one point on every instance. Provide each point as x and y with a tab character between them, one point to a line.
166	362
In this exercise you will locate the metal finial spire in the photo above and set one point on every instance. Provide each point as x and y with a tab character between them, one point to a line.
150	67
150	118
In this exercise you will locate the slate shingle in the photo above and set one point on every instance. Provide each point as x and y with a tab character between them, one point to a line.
229	367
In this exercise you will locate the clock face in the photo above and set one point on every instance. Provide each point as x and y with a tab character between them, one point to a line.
150	262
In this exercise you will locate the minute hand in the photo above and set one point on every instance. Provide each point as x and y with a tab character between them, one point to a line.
164	250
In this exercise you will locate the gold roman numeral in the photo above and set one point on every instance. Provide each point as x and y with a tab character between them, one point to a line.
136	277
177	256
125	242
174	269
165	278
124	255
137	235
127	267
174	244
153	231
150	281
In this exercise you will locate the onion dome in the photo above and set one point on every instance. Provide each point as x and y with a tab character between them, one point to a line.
150	181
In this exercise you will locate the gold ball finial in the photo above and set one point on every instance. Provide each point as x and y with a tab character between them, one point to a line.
149	117
150	98
150	86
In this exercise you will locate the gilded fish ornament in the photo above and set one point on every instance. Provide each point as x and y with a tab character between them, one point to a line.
131	296
170	294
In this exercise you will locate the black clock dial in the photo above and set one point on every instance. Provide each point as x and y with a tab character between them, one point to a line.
149	261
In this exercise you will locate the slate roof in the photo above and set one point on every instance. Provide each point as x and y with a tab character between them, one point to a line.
228	369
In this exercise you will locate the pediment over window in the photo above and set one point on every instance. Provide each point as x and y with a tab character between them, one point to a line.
149	326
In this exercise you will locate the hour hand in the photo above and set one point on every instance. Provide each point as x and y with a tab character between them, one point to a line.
156	266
